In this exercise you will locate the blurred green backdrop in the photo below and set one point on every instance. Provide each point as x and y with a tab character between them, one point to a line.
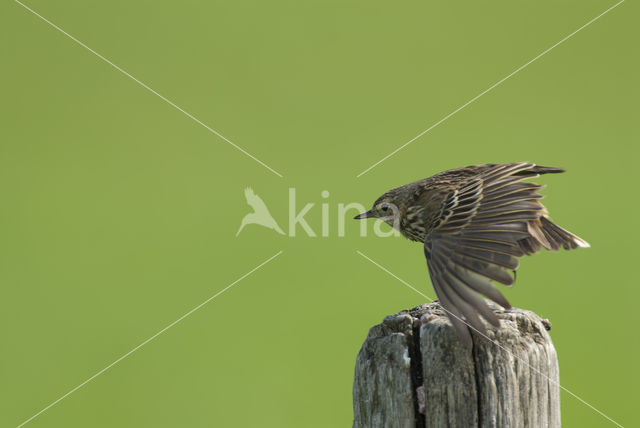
119	212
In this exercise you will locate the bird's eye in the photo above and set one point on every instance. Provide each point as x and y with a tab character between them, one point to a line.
384	207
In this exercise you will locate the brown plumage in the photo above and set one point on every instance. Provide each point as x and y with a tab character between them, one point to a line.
474	222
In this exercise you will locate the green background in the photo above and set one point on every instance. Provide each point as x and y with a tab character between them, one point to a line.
119	213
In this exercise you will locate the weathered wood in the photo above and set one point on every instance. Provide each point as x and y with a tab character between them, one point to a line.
412	371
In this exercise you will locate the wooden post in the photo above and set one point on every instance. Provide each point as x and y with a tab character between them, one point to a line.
412	372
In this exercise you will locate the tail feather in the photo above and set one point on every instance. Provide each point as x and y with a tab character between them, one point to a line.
545	233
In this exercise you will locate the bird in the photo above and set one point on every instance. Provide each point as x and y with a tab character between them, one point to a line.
260	214
474	223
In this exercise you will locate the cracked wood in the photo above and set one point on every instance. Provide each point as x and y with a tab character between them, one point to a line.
412	371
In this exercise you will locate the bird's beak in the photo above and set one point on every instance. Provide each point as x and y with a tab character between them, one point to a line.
364	215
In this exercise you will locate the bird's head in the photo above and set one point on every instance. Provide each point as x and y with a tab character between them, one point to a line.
386	208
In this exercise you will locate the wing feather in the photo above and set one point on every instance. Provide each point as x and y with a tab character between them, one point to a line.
484	226
502	260
474	300
453	313
477	240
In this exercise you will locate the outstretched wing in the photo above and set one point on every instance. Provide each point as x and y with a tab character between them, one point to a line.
476	241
